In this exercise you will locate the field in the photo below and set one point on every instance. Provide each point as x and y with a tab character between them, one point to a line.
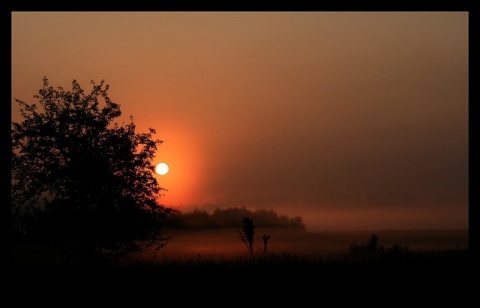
437	266
226	242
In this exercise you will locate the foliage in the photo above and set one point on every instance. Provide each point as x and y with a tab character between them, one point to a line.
372	249
194	219
79	177
229	217
247	233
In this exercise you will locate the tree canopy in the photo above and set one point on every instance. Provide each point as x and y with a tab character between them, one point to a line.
80	177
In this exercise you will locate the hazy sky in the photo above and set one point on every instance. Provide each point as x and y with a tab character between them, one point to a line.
352	120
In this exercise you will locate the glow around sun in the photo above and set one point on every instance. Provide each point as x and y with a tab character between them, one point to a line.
162	168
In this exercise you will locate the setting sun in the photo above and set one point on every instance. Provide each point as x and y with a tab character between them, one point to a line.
339	138
162	168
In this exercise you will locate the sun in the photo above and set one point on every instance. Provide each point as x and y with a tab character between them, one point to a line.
162	168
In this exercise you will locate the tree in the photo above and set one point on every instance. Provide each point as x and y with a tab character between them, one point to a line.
247	233
81	178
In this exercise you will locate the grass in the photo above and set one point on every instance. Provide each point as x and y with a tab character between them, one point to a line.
274	278
427	258
298	269
223	248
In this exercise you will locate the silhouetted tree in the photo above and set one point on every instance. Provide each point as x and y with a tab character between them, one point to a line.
81	178
228	217
194	219
248	231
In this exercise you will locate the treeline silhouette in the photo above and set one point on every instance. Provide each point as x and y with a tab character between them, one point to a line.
231	217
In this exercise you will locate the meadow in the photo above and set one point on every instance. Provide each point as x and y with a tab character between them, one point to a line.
224	245
405	264
226	242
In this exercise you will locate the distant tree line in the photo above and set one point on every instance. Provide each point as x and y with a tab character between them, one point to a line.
231	217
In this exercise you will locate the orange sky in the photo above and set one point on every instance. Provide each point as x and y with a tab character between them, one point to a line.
350	120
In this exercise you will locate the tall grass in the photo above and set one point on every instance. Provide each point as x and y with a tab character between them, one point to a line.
366	253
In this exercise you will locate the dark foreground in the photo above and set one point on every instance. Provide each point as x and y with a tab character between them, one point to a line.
298	271
429	276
